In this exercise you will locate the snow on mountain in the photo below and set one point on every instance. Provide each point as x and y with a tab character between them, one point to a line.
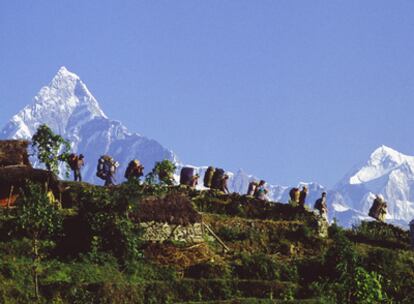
387	172
69	109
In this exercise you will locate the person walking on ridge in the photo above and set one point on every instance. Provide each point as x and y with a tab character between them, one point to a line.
223	184
302	196
76	163
251	190
261	191
322	206
378	209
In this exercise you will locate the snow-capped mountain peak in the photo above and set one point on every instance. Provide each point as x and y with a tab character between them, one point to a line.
69	109
63	105
387	172
381	162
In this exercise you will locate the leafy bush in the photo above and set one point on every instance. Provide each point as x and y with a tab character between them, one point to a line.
256	266
47	145
396	269
381	234
106	215
232	234
163	171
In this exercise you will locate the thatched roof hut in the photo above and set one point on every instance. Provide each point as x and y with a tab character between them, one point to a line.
14	152
172	209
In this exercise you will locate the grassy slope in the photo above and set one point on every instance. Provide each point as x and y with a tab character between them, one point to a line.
275	254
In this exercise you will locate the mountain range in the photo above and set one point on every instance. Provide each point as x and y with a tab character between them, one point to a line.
69	109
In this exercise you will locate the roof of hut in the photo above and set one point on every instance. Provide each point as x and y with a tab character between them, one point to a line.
17	176
172	209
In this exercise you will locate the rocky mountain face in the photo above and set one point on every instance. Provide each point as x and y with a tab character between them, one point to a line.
69	109
67	106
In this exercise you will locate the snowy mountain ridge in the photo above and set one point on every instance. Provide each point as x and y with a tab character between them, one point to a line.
382	161
68	107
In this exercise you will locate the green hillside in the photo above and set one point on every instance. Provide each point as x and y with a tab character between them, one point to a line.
250	251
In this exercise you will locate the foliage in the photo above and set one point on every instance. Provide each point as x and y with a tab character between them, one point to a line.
366	287
208	270
396	269
346	280
106	214
37	216
233	233
48	145
346	268
39	219
256	266
163	171
382	234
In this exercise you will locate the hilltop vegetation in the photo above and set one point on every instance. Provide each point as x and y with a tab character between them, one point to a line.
275	253
72	242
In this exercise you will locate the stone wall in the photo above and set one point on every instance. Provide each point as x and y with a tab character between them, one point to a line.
159	232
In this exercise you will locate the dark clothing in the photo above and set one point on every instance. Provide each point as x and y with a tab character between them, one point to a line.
77	175
135	172
109	180
320	205
109	170
78	163
302	198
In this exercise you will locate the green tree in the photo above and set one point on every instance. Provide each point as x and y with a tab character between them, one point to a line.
39	218
50	148
164	171
106	214
349	282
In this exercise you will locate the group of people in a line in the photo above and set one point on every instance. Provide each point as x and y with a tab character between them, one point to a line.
214	178
297	198
106	168
257	190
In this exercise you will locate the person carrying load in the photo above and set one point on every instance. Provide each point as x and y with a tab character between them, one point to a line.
294	195
208	177
261	191
76	163
378	209
252	188
187	176
194	181
321	206
134	170
223	184
106	169
302	196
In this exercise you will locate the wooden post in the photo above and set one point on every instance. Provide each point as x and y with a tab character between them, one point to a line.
10	196
226	249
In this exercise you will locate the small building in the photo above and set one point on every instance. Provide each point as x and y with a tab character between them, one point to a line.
15	170
170	218
14	153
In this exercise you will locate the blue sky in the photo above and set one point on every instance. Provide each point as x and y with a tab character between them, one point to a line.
288	90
